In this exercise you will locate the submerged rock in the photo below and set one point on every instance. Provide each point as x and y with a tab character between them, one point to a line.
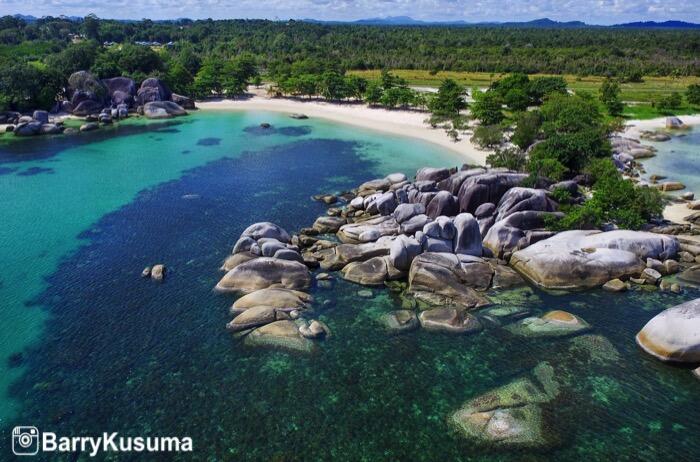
451	320
674	334
510	415
555	323
400	321
282	334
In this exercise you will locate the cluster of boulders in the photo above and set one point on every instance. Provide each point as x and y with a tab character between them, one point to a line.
447	238
24	125
268	269
100	102
118	96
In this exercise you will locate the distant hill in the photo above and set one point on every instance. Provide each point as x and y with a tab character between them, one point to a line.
543	23
659	25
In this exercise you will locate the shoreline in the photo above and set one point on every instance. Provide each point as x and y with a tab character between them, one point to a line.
674	212
634	127
396	122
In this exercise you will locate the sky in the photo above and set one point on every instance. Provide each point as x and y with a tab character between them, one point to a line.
590	11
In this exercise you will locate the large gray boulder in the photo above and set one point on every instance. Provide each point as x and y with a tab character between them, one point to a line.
454	182
674	334
402	251
27	128
88	93
414	224
518	231
522	199
443	203
265	229
432	174
41	116
404	212
447	278
467	238
120	90
263	273
369	230
341	255
152	90
184	101
373	272
487	187
585	259
162	110
271	297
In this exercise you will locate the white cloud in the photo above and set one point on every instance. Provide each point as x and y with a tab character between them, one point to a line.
592	11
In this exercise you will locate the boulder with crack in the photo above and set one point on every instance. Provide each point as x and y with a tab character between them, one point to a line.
439	278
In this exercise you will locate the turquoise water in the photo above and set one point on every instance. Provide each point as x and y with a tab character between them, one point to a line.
51	191
678	159
88	346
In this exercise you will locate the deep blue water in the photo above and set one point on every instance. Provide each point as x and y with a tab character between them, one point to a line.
119	353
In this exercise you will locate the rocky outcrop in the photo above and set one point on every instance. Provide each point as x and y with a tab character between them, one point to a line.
88	94
585	259
674	334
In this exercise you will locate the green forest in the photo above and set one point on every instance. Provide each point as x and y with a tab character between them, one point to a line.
205	57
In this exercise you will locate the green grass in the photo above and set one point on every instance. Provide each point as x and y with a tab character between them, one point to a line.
650	90
647	111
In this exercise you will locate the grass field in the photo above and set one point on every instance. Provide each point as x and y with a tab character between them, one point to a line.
650	90
642	94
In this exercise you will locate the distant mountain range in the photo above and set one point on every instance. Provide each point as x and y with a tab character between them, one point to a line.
408	21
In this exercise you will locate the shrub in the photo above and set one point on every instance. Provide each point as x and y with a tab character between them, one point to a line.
692	94
488	136
615	200
510	158
672	101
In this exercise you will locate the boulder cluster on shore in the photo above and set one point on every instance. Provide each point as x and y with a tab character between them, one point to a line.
443	241
101	102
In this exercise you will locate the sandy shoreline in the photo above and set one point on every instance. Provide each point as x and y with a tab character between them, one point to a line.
633	128
397	122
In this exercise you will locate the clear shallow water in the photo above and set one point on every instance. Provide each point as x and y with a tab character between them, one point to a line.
678	159
118	353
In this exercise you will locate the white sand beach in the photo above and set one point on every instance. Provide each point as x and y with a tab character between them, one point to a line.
397	122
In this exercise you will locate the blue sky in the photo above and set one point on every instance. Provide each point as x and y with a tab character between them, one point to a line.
591	11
